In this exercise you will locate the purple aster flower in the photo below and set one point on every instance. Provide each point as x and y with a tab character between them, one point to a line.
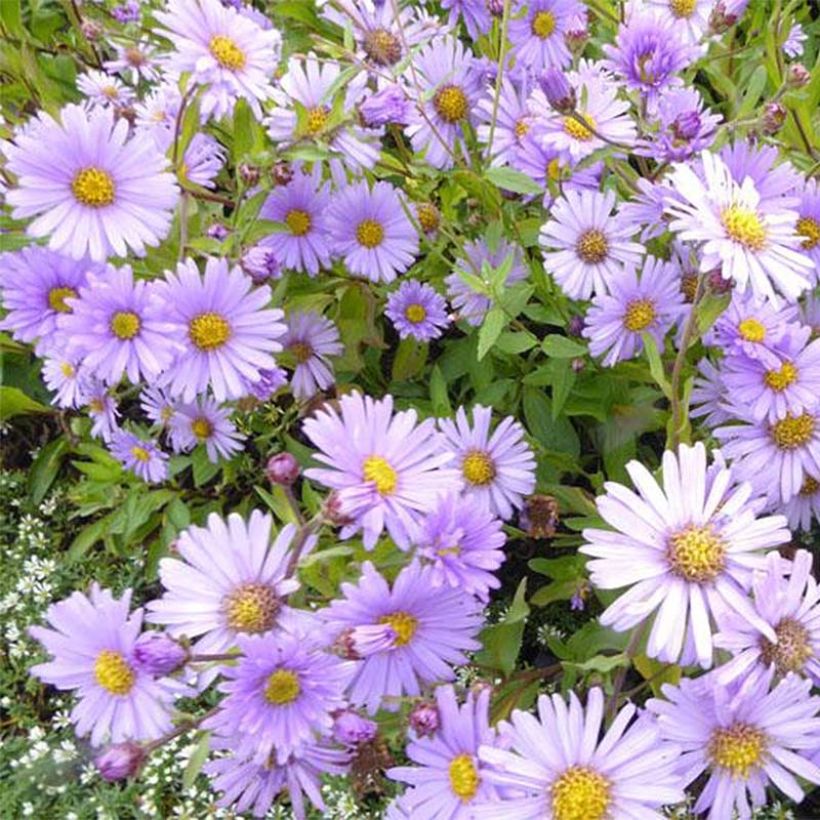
498	469
512	119
651	303
270	381
417	311
773	179
135	61
205	422
102	410
693	14
808	223
103	90
685	550
158	406
589	249
645	212
203	160
413	632
567	770
802	508
311	340
128	12
225	52
385	468
390	106
229	580
120	760
475	14
261	263
537	36
708	396
158	654
229	332
143	457
744	736
157	114
92	645
65	377
93	190
793	44
369	229
351	729
302	206
448	778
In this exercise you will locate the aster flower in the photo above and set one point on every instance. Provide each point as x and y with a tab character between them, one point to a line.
91	644
808	224
417	311
567	770
407	634
301	205
475	14
498	469
65	377
157	114
645	212
650	304
103	90
94	191
512	118
793	44
537	37
222	50
135	61
261	263
205	422
385	468
685	550
369	229
745	737
708	396
202	161
693	14
588	247
311	340
270	381
142	457
229	332
773	179
803	508
158	406
229	580
102	410
448	776
389	106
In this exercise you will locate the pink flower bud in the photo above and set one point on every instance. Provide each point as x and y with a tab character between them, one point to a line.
282	468
120	761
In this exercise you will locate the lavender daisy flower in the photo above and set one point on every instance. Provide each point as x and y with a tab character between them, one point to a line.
302	206
142	457
512	119
385	468
102	410
745	737
793	44
134	61
808	223
390	106
685	549
417	311
589	250
708	396
205	422
229	332
103	90
230	581
645	212
498	469
773	180
693	14
448	778
158	406
270	381
804	507
157	115
407	634
65	377
567	770
475	14
537	37
92	645
224	51
128	12
371	232
311	340
650	304
261	263
203	160
93	190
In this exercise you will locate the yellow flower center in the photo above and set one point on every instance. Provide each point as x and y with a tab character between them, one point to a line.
316	120
57	299
110	91
96	406
113	673
125	324
451	103
793	431
464	779
67	369
522	127
227	53
282	687
298	221
379	471
542	24
251	608
415	314
744	227
135	57
369	233
580	793
689	286
810	228
696	554
751	330
780	379
810	486
202	428
403	624
737	749
93	187
554	170
592	246
792	649
140	453
640	313
301	351
578	131
478	468
428	216
382	47
682	8
208	331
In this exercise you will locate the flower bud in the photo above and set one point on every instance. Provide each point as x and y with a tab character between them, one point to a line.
496	7
282	468
686	125
249	174
540	516
717	284
261	263
217	231
798	75
350	728
120	761
424	718
559	93
773	117
91	29
333	511
159	654
282	173
576	326
390	105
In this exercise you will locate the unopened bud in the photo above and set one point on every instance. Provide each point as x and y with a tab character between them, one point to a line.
91	29
159	654
559	93
717	284
424	718
282	173
576	326
686	125
120	761
496	7
798	75
577	364
351	729
249	174
774	115
261	263
217	231
283	469
540	516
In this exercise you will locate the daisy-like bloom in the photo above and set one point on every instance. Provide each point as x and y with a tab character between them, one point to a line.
464	542
745	736
94	191
537	37
787	597
685	550
102	410
92	646
651	303
104	90
408	634
588	248
157	114
773	179
708	396
752	241
645	213
228	581
385	468
793	44
369	229
512	117
65	377
205	422
444	71
117	326
228	332
448	776
804	507
311	340
158	406
203	160
417	311
472	305
567	771
135	61
390	106
693	14
270	381
498	469
301	205
36	286
475	14
224	51
808	224
142	457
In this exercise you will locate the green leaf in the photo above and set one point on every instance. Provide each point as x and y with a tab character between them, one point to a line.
410	358
556	591
490	330
562	347
438	393
755	86
278	504
558	435
89	536
11	17
243	129
196	760
45	469
502	641
657	673
514	181
656	364
14	402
